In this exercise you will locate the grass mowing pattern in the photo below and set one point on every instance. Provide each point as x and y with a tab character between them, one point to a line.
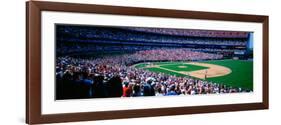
241	75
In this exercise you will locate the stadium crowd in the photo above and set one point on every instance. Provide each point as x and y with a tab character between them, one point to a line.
113	76
191	32
101	34
91	48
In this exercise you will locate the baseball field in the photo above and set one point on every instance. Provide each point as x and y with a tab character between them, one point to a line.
235	73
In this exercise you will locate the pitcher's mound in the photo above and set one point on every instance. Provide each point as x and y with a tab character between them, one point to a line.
182	66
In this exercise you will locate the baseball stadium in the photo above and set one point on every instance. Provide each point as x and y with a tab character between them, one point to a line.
107	62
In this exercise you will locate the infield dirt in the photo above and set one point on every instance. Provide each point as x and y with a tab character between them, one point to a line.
212	70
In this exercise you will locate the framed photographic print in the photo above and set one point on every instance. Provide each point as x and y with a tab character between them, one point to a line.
93	62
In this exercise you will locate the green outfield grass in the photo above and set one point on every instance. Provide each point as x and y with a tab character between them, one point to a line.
183	67
241	75
154	69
